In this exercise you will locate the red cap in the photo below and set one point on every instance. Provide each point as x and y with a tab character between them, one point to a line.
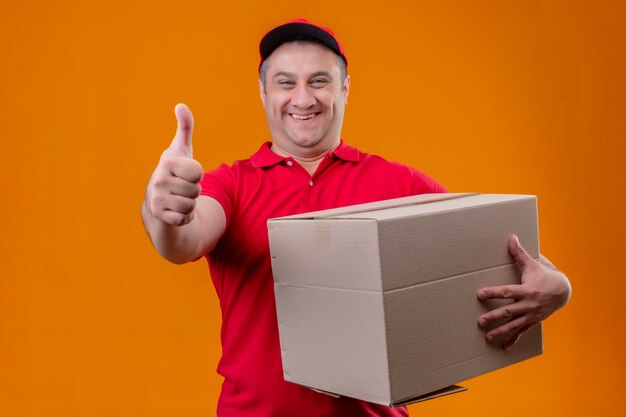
285	32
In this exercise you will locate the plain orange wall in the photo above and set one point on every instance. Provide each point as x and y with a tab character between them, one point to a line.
489	96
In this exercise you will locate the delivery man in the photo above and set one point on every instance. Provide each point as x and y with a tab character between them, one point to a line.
222	214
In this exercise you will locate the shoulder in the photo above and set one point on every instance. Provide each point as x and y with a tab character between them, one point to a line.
420	182
230	171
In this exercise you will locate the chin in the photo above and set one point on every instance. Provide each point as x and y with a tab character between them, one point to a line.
306	142
310	144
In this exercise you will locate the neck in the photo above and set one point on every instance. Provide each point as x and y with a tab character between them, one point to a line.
310	159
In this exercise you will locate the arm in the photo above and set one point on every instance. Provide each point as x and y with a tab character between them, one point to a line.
181	224
543	290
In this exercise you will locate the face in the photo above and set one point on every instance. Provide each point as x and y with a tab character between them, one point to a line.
304	98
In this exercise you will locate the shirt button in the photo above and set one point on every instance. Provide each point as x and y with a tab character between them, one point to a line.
289	163
311	183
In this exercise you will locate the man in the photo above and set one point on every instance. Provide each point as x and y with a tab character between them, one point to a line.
222	215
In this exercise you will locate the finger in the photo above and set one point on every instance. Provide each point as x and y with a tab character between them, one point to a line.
508	329
179	204
510	341
523	259
182	140
546	262
176	219
186	168
184	188
501	292
500	314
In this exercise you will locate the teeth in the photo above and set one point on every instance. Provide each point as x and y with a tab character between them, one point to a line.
302	116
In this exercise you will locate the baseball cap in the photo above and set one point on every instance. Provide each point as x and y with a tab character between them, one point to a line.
285	32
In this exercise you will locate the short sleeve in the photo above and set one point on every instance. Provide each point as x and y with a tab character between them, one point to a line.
219	184
424	184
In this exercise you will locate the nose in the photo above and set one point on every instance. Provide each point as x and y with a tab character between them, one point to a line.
303	97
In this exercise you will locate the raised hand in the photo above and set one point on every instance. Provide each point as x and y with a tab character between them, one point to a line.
543	290
175	184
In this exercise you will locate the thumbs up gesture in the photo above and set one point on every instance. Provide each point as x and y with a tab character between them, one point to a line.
175	184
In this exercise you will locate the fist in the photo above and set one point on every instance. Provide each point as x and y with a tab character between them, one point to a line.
175	183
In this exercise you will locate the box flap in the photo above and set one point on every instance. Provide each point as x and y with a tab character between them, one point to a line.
321	391
438	320
318	259
398	212
353	325
455	236
376	205
452	389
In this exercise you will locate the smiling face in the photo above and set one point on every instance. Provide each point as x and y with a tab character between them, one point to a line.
304	97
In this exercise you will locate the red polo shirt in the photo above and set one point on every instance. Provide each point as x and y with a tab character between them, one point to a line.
251	191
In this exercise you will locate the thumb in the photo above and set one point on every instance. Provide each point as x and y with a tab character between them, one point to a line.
182	140
522	258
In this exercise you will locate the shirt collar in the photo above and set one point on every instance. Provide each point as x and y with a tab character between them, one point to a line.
347	153
264	157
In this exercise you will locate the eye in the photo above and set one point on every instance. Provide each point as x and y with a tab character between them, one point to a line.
286	83
318	82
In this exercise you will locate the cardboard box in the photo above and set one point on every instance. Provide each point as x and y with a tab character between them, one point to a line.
378	301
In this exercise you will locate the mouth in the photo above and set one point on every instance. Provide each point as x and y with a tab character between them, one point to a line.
307	116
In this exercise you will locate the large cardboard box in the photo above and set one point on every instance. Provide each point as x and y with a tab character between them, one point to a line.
378	301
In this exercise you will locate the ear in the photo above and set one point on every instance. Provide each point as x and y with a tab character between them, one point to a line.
345	89
262	92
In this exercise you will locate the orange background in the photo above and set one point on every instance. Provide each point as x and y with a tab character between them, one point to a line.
490	96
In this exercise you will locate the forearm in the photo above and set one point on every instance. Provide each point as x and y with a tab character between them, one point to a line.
177	244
